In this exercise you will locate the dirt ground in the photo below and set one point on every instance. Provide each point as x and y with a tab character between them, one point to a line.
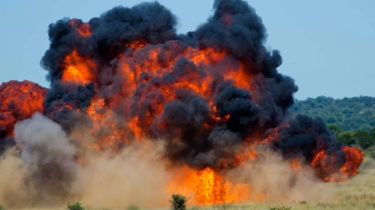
357	193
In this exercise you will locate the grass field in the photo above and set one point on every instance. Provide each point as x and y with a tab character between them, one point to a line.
357	193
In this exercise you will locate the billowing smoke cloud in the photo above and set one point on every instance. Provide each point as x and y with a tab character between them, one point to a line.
273	180
211	97
43	171
137	175
45	168
311	139
144	58
48	155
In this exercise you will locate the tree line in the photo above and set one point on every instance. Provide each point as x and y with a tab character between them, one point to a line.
351	120
349	114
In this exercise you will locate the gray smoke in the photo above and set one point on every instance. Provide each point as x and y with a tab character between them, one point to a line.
48	156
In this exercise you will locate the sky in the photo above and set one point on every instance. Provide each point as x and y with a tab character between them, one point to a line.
327	46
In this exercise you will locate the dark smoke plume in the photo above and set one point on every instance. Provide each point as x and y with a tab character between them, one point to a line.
234	29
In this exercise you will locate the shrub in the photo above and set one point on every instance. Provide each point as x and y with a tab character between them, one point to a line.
2	207
178	202
364	139
132	207
75	206
346	137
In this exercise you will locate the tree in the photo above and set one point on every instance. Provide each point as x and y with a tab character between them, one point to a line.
178	202
334	129
349	114
364	139
346	137
372	132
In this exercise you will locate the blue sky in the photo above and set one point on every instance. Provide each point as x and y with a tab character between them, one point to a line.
327	46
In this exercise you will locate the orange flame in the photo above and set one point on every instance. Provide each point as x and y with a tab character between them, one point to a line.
83	29
353	160
197	78
325	165
18	101
203	69
208	187
78	69
296	164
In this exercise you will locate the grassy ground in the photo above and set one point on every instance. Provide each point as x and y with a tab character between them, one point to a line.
358	193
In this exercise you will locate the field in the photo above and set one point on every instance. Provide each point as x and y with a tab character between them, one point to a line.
357	193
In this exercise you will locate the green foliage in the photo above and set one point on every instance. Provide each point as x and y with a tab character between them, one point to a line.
75	206
348	114
334	129
346	137
361	138
364	139
372	131
351	120
132	207
2	207
178	202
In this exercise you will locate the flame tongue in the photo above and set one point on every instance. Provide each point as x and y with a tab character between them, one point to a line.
78	69
208	187
354	158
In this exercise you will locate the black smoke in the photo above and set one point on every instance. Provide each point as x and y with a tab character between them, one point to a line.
234	28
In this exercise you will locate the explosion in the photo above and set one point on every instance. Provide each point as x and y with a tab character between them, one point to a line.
18	101
212	97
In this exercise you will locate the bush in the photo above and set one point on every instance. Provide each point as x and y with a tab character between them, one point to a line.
2	207
364	139
75	206
335	130
346	137
132	207
178	202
